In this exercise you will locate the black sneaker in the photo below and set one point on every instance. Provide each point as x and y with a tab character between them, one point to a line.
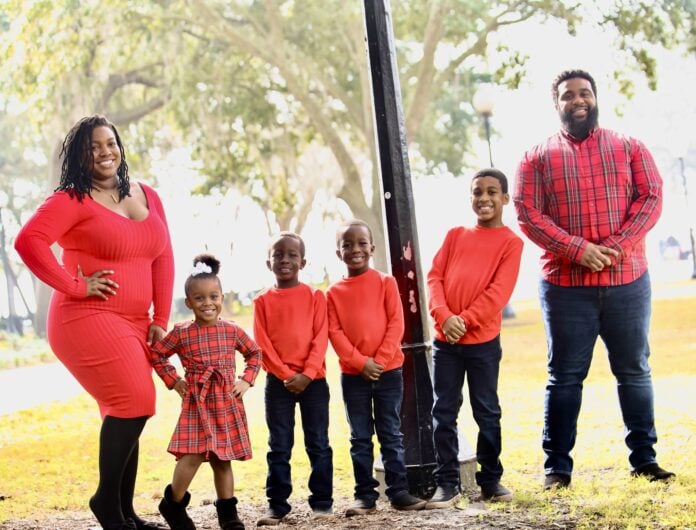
556	481
496	492
320	514
652	472
270	518
361	507
444	497
403	500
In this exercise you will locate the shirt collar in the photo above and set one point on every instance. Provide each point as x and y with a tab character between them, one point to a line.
572	138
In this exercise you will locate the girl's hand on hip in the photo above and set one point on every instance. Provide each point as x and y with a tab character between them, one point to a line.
97	285
155	333
180	387
240	388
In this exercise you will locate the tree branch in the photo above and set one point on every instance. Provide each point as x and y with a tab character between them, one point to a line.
268	53
128	116
117	81
429	81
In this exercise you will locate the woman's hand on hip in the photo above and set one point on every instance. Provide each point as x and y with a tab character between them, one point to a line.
97	285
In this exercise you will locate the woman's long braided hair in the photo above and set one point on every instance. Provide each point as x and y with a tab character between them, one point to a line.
78	161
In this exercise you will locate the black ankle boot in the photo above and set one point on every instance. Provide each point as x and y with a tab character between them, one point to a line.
175	512
141	524
227	514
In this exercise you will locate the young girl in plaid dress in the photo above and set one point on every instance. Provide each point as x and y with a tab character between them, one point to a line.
212	426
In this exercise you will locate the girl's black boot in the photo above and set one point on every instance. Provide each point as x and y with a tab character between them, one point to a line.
175	512
227	514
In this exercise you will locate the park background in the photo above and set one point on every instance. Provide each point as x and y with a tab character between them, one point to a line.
250	117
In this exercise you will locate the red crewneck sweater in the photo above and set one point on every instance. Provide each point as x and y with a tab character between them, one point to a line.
291	327
366	320
473	276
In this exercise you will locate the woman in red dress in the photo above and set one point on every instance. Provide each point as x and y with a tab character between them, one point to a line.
212	426
116	267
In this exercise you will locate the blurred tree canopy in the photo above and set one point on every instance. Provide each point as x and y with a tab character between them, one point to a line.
254	84
263	89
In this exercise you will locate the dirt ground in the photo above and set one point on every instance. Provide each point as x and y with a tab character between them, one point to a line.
471	514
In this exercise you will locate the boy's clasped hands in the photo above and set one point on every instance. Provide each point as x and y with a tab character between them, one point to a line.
372	370
297	383
454	329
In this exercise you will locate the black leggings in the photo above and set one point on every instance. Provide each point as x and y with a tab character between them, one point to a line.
112	503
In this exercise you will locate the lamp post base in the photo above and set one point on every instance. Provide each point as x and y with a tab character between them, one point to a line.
421	479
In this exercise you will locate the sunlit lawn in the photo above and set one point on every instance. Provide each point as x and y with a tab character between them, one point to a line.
48	454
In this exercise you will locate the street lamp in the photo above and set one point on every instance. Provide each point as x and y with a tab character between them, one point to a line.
483	105
483	102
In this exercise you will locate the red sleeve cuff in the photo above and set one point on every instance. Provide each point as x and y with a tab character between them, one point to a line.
311	373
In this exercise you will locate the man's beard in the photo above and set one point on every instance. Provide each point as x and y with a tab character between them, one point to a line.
580	129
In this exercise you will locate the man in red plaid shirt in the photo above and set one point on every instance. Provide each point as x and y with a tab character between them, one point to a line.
588	197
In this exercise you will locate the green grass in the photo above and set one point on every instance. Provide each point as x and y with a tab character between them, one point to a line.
16	351
48	454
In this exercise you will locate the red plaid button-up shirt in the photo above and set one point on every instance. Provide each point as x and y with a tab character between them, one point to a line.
604	189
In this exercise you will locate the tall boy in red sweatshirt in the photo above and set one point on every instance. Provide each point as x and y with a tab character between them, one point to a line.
471	279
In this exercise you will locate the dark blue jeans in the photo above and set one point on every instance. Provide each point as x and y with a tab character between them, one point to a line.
574	317
480	364
375	407
280	417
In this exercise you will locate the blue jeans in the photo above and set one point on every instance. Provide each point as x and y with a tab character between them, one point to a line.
480	364
280	417
574	317
370	407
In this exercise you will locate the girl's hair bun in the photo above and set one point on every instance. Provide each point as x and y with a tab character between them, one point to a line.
209	260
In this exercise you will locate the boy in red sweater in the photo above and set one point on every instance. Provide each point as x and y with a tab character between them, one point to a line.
291	327
366	325
471	279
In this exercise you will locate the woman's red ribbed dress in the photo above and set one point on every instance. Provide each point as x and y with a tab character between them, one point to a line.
103	342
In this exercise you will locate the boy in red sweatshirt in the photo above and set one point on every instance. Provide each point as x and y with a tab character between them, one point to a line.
290	325
366	325
471	280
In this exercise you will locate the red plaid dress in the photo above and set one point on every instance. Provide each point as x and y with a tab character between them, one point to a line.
211	419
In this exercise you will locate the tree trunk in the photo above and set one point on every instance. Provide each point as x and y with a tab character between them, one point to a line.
14	322
426	72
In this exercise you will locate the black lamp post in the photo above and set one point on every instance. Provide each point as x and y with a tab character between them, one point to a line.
416	418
